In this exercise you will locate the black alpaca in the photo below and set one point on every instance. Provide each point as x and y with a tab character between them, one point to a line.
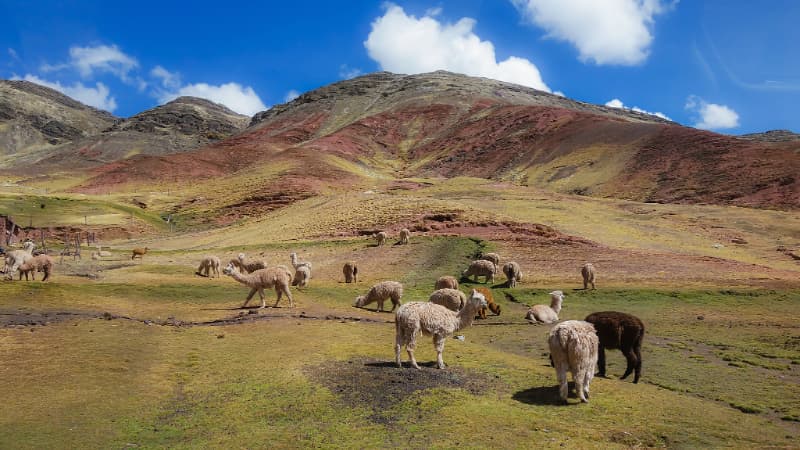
622	331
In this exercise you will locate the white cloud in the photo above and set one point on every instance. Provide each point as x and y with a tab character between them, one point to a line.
169	80
97	96
12	53
559	93
346	72
711	116
242	100
291	95
606	32
103	58
407	44
617	103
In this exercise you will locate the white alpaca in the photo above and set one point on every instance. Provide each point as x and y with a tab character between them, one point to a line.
493	257
587	271
513	273
246	265
379	293
380	238
16	258
302	275
573	347
451	299
483	268
434	320
446	282
544	313
274	277
404	234
209	266
296	263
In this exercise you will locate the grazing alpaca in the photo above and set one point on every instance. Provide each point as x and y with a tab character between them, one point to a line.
513	273
493	257
573	347
350	271
274	277
302	275
404	234
16	258
39	263
622	331
587	271
379	293
451	299
446	282
490	304
483	268
380	238
246	265
434	320
544	313
296	263
140	252
209	266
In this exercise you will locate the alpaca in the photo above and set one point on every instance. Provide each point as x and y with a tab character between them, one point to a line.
302	275
140	252
544	313
622	331
513	273
350	271
587	271
493	257
446	282
247	265
483	268
451	299
15	258
296	263
102	253
39	263
490	304
573	347
380	238
274	277
432	320
404	234
379	293
209	266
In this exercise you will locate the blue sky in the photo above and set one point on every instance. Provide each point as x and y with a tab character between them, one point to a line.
731	66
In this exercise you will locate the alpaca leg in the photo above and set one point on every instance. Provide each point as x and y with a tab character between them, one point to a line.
395	302
593	287
278	293
577	377
563	387
46	274
379	306
630	357
398	345
638	351
250	297
585	284
438	343
587	379
601	360
291	300
410	347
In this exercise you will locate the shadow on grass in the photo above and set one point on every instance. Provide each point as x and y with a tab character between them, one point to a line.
544	395
406	364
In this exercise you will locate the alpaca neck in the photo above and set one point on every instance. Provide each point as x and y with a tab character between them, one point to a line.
466	316
241	278
555	305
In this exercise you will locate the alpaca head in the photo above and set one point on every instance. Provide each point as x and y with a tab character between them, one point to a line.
556	298
495	308
229	269
477	299
530	315
28	246
240	257
359	301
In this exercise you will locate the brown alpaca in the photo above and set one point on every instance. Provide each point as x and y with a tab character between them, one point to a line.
273	277
139	252
622	331
490	304
350	271
39	263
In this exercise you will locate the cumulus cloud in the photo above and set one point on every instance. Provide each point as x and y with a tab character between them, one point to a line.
169	80
97	96
617	103
711	116
606	32
346	72
407	44
102	58
242	100
291	95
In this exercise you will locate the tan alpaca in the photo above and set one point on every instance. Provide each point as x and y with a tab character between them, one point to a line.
273	277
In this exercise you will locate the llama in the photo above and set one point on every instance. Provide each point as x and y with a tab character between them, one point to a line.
404	234
573	347
493	257
246	265
350	271
622	331
302	275
434	320
296	263
587	271
513	273
451	299
380	238
140	252
209	266
274	277
15	258
544	313
446	282
483	268
490	304
379	293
